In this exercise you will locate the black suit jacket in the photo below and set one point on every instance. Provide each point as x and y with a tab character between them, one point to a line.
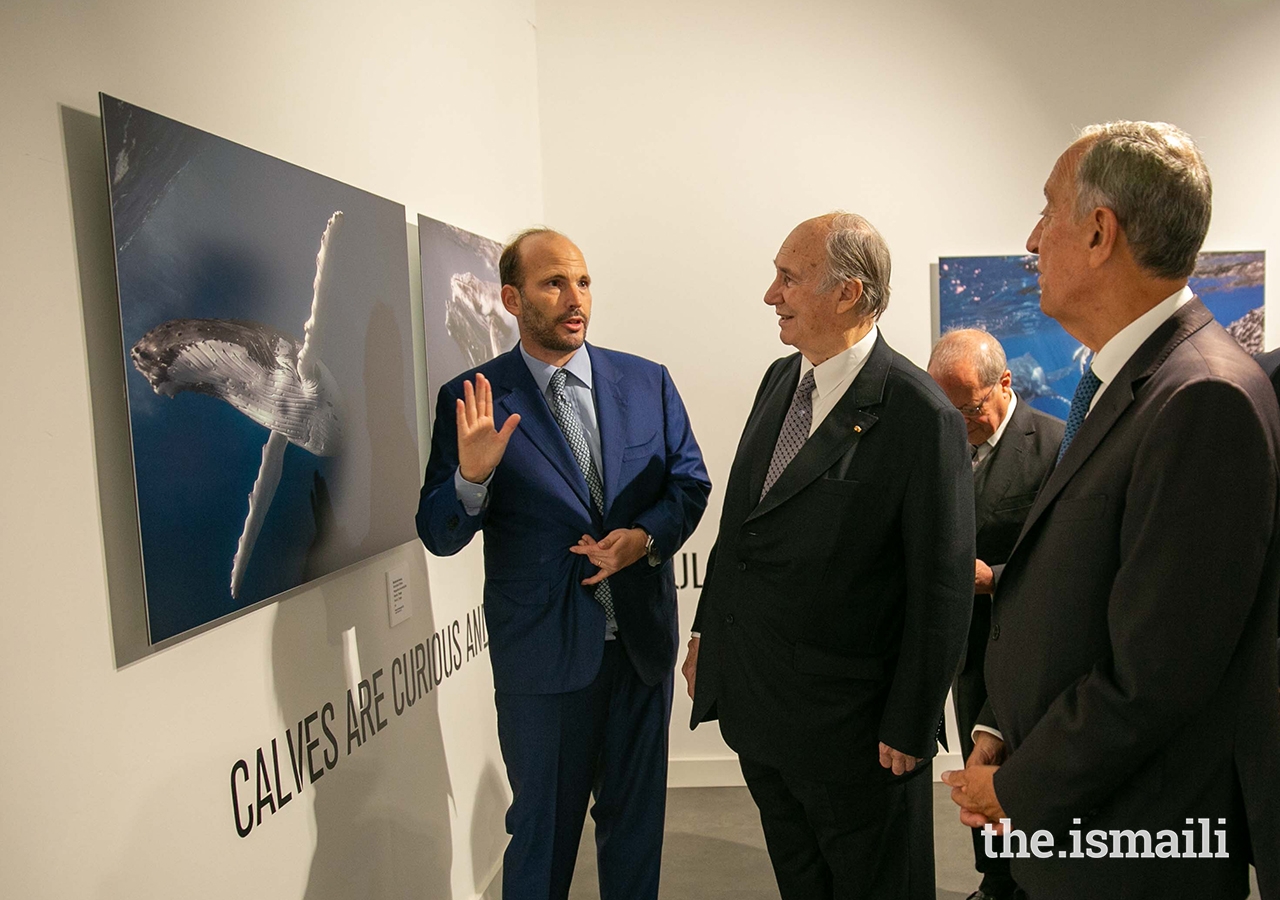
1004	489
1132	663
834	609
1270	363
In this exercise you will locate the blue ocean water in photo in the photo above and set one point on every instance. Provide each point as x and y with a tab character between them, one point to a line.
1000	294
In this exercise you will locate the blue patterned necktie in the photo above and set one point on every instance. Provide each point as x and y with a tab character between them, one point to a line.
567	419
795	431
1085	389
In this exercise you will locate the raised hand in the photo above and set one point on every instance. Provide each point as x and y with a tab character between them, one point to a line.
480	445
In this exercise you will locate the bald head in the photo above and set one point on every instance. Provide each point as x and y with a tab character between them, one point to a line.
969	365
968	348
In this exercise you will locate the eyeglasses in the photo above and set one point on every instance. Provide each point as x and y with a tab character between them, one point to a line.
972	412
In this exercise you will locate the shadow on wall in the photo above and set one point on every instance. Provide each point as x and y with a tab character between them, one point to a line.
383	817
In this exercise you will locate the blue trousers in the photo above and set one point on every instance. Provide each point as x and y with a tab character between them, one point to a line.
608	740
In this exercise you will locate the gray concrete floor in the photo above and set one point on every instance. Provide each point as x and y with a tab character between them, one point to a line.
714	850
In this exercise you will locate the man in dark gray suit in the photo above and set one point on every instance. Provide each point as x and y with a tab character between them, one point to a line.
1132	663
1013	446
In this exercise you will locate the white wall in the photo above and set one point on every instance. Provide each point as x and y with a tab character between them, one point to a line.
116	781
682	141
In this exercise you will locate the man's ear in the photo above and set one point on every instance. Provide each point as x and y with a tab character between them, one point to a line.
511	299
850	294
1104	236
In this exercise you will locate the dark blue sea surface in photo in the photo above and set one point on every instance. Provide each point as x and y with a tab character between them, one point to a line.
1001	294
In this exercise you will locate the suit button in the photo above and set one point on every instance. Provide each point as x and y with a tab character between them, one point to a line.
452	523
742	567
995	632
728	620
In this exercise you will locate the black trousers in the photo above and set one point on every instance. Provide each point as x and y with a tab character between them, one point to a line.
846	842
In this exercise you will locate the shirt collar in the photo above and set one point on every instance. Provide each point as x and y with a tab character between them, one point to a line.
1004	423
829	375
579	366
1110	359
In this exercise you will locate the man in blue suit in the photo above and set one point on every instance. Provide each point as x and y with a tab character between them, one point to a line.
579	465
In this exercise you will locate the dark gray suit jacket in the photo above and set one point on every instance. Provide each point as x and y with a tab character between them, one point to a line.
1132	662
1270	363
834	609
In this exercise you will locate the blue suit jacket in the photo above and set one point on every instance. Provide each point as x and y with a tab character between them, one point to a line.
546	630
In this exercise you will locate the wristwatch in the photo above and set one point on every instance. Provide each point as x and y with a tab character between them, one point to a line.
651	552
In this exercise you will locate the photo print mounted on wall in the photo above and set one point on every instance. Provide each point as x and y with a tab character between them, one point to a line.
269	368
462	312
1001	294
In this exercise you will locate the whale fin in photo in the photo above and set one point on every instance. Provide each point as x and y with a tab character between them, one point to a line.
264	489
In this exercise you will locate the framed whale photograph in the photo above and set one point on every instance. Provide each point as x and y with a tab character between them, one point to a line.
269	368
1001	294
462	312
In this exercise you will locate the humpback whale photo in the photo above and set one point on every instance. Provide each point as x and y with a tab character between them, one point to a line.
274	379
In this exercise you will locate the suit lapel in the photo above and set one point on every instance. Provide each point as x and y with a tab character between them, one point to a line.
1116	398
611	415
841	429
1007	457
522	396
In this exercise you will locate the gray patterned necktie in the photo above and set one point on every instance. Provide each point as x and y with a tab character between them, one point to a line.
795	431
567	419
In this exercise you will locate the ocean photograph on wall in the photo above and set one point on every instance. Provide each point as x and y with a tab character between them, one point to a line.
269	368
1000	294
462	312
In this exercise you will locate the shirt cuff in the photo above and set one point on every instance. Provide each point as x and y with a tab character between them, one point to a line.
697	634
987	729
473	497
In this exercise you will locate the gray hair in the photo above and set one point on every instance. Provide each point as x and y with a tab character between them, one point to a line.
972	347
856	250
1152	176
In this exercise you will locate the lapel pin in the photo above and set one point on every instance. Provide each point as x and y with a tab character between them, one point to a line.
857	428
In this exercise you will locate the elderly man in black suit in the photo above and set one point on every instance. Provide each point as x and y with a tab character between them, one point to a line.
1131	665
837	596
1013	446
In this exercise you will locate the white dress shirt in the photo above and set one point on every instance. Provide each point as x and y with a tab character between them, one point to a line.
1109	360
833	377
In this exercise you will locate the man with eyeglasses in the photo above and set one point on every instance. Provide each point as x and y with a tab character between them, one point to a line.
1013	445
